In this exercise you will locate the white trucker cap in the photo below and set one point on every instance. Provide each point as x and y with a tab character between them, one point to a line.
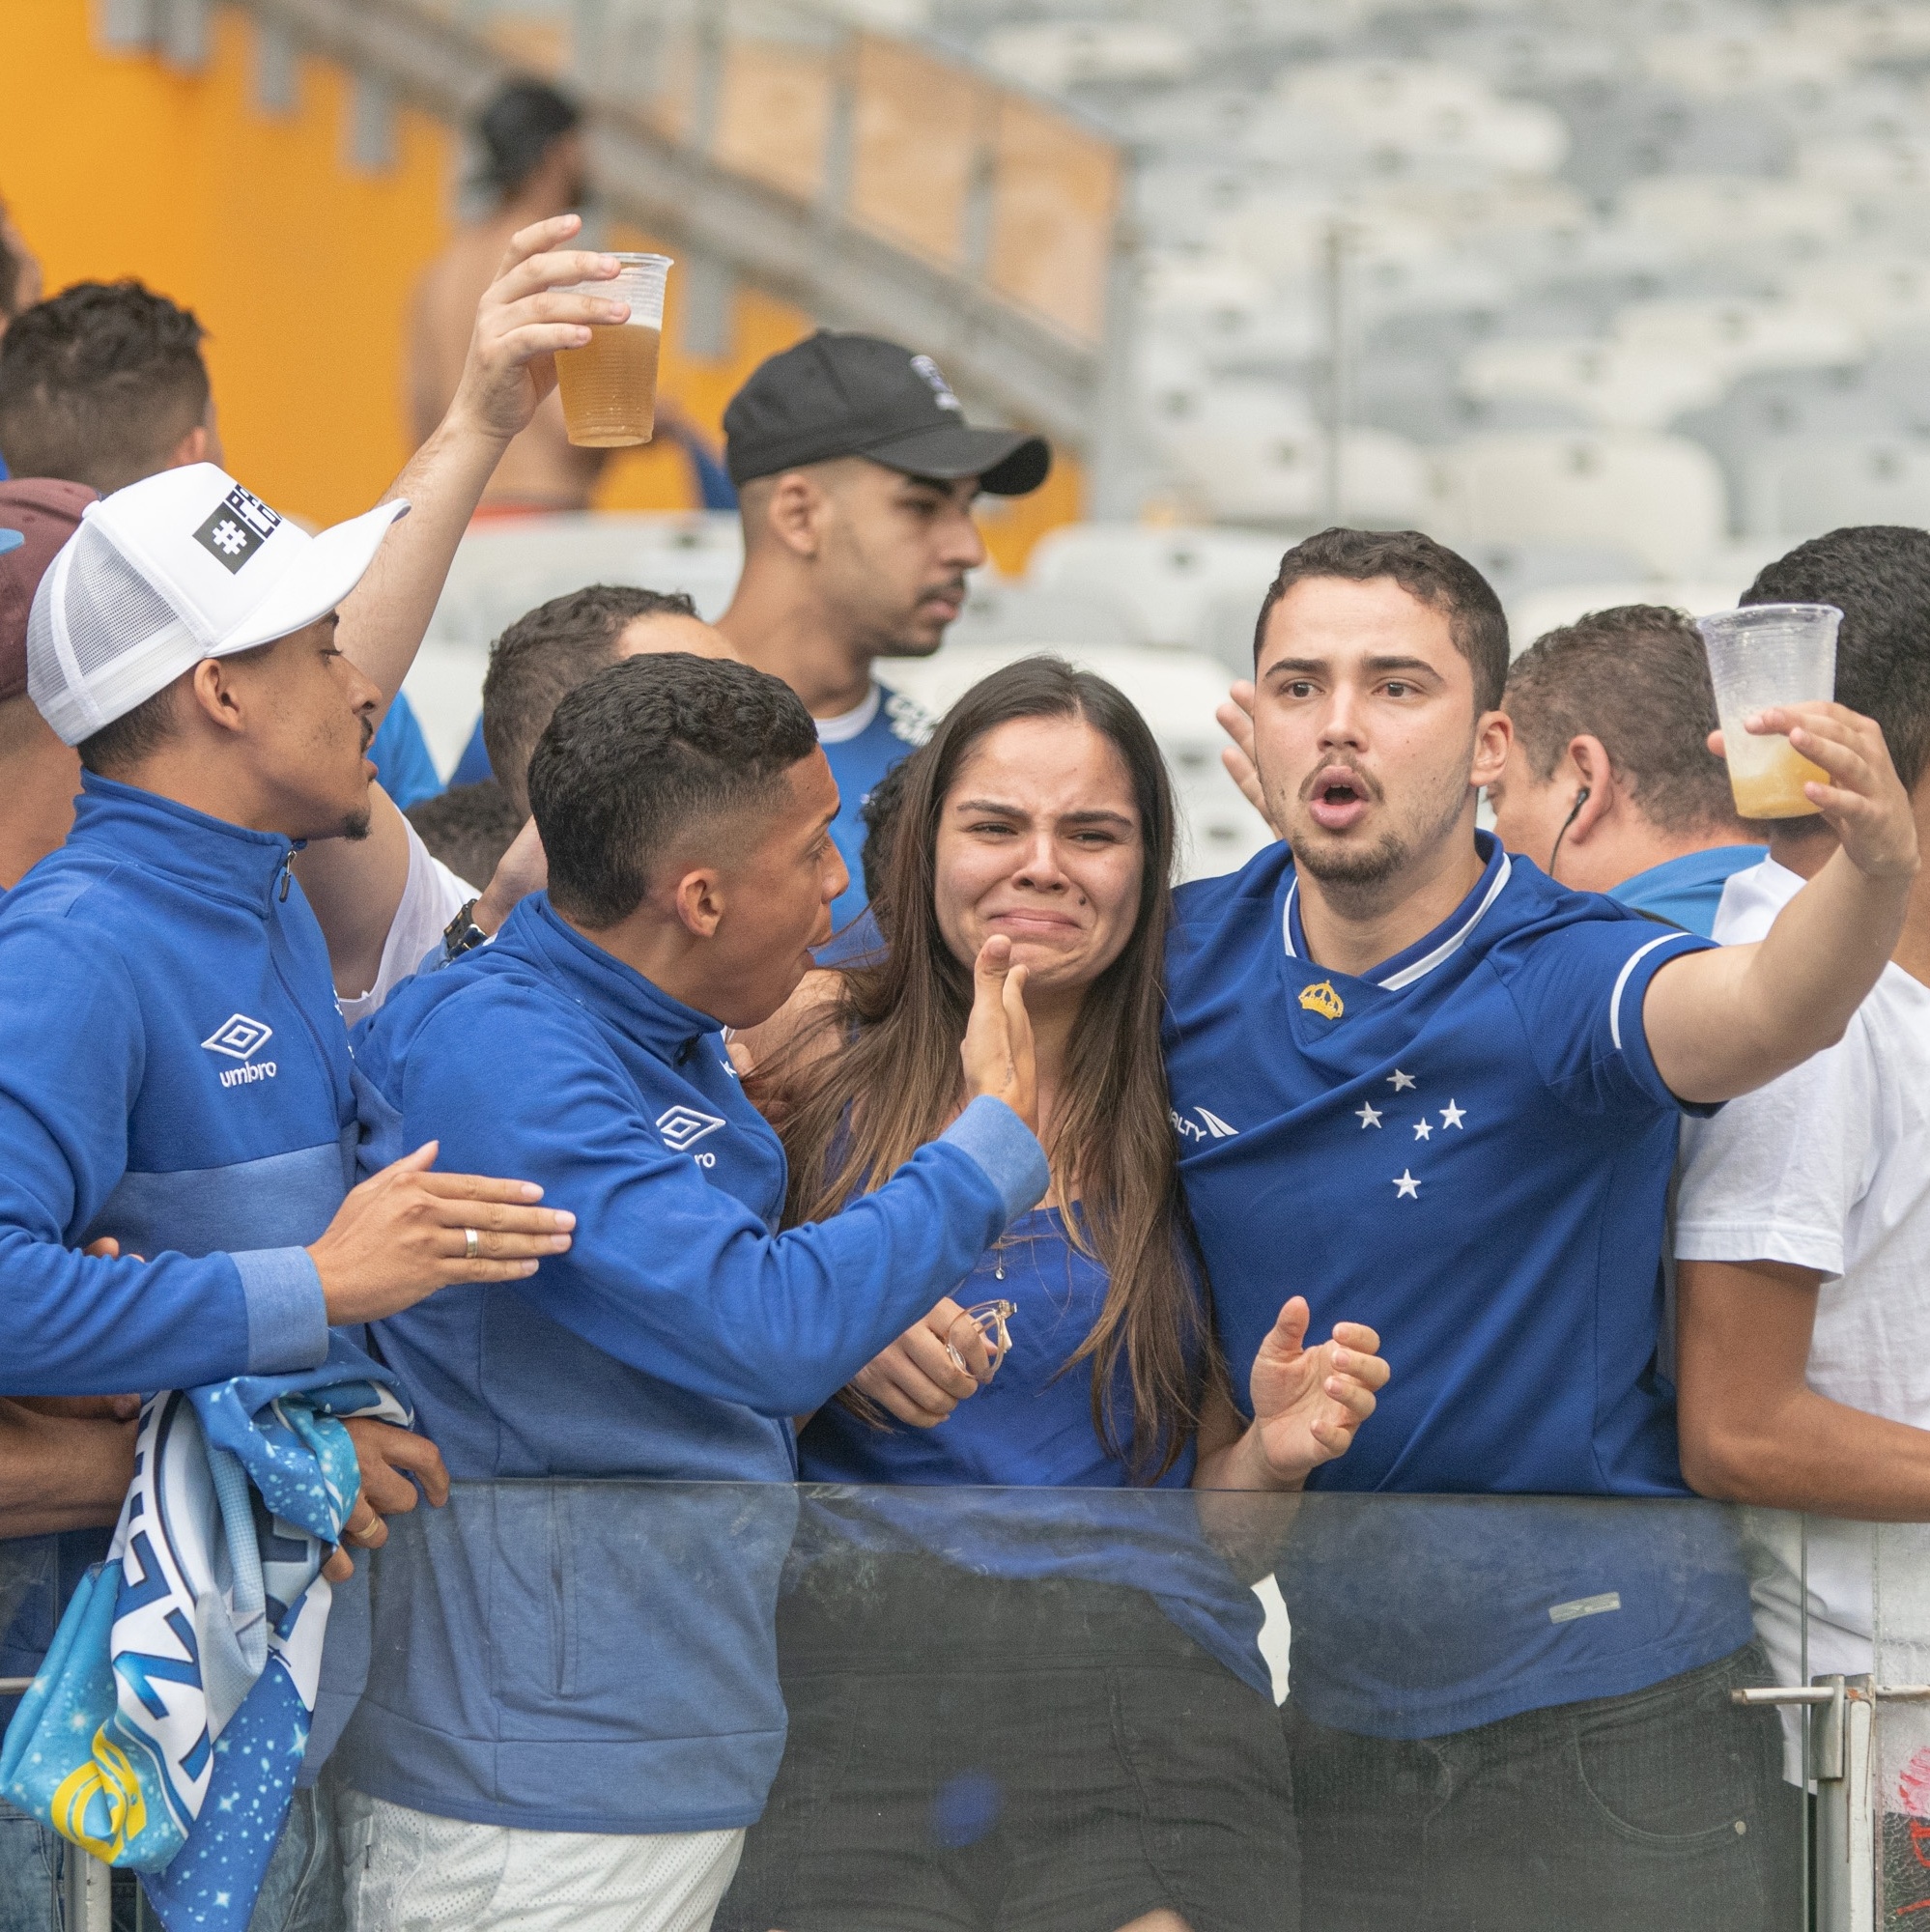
177	567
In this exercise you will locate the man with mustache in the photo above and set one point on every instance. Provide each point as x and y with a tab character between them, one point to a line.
855	472
1418	1079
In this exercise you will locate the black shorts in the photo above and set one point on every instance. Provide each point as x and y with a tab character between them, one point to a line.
973	1755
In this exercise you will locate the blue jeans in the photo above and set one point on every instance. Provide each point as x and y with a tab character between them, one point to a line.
301	1890
30	1870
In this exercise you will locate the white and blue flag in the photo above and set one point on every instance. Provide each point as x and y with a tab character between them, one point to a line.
165	1730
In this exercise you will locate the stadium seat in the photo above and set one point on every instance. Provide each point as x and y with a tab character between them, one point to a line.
1736	337
1747	57
1658	497
1279	480
1058	54
1405	113
1729	213
1612	385
1167	579
1870	480
502	569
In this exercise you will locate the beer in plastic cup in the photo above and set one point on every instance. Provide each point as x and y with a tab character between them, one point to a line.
1760	656
609	388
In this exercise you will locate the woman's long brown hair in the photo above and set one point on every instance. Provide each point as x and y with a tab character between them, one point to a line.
855	1111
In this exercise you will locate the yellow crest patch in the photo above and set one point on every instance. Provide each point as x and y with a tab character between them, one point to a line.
1320	998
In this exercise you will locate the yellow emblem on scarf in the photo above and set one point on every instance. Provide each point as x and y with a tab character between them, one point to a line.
108	1775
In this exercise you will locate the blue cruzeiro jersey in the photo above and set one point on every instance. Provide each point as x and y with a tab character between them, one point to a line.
861	747
1469	1147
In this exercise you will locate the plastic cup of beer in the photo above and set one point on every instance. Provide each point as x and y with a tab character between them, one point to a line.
1760	656
609	388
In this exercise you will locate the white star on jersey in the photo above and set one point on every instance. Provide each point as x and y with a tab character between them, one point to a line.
1368	1114
1422	1131
1452	1115
1406	1187
1401	1081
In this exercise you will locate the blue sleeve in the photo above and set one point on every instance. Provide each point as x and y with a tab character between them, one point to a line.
402	757
70	1324
474	766
715	489
677	1277
1579	991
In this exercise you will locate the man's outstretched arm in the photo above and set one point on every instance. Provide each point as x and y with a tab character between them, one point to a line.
1720	1023
355	887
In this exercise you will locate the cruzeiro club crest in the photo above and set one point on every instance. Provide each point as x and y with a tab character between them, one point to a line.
1320	998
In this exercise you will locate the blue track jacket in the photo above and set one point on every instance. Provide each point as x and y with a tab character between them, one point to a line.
600	1658
173	1072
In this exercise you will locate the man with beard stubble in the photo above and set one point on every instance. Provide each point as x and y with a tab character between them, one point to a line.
1413	1077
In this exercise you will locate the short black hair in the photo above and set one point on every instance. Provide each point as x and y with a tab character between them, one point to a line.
1878	575
520	123
12	269
1427	571
549	652
98	383
880	815
468	828
642	752
1637	676
125	741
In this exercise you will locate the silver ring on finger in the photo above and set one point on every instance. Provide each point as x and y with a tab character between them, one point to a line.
472	1244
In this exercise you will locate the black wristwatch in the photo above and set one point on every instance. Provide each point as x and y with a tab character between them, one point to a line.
462	934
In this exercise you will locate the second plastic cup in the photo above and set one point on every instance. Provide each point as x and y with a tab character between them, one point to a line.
609	388
1759	656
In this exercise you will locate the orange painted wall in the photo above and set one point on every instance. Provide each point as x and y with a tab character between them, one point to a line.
299	267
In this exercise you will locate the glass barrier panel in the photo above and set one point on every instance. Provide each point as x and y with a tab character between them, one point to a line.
532	42
917	127
1055	188
773	107
1062	1707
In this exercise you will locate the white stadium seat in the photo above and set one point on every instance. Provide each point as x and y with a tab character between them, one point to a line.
1866	480
1741	337
1166	579
1612	385
1058	54
1733	212
1658	497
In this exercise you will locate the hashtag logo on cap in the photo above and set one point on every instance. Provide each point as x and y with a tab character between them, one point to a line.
240	524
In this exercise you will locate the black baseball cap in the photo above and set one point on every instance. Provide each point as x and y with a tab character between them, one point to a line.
854	395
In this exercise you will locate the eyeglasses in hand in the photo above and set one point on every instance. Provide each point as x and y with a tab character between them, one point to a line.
978	1338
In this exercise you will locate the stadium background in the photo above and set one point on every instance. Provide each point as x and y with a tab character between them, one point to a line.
1621	300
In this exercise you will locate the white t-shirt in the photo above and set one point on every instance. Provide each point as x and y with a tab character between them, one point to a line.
1827	1168
431	898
